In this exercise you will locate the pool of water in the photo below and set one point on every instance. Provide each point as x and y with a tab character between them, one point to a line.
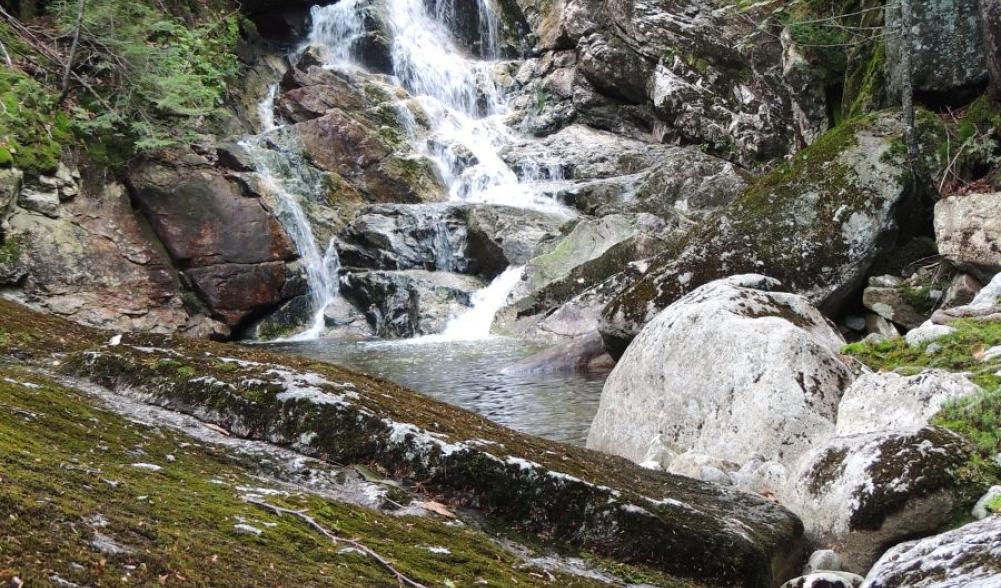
472	374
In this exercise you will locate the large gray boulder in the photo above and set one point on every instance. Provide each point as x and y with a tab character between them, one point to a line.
817	224
891	402
968	232
948	52
860	493
734	369
502	236
964	557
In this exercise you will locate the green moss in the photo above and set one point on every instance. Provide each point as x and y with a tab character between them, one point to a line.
864	83
68	480
10	250
34	130
977	418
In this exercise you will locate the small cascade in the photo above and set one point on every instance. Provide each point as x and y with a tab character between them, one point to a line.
338	28
475	323
289	181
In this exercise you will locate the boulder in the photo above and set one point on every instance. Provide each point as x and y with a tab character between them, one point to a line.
410	302
986	306
231	249
948	53
95	264
404	237
891	402
988	505
893	305
968	232
967	556
585	353
502	236
962	290
40	199
11	180
862	493
817	224
588	240
734	368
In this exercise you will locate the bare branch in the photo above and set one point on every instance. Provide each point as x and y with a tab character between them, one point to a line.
72	55
402	579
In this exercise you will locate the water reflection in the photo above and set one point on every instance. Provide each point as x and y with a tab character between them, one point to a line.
471	374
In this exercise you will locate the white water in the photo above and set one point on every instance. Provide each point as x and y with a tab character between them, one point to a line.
286	178
466	113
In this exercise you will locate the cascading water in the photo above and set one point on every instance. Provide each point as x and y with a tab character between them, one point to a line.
465	111
286	178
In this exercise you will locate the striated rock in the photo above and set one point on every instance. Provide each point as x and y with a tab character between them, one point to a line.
968	232
732	369
967	556
948	55
864	492
891	402
409	303
816	224
398	237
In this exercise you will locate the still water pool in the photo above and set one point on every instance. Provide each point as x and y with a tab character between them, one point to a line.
472	374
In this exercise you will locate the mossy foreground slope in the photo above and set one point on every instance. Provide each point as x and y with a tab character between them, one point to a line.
176	510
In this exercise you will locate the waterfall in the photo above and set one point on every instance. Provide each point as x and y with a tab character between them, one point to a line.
286	178
475	323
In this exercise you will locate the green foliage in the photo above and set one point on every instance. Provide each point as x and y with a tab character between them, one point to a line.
977	418
33	129
160	76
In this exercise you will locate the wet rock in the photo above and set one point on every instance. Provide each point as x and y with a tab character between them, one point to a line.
235	157
411	302
968	232
585	353
948	55
967	556
864	492
502	236
816	224
890	402
396	237
734	368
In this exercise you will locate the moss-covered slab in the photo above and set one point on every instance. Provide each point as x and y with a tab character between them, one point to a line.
562	495
93	498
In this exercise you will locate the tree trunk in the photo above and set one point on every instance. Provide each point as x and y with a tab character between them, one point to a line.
907	85
990	22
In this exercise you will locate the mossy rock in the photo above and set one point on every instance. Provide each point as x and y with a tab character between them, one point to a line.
816	223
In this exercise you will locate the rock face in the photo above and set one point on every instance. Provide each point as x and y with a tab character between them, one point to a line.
411	302
395	237
891	402
948	55
230	248
967	556
865	492
968	232
732	369
502	236
683	70
816	224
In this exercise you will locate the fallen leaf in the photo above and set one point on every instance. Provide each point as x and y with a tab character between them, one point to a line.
437	507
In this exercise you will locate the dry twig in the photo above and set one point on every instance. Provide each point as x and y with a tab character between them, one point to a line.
402	579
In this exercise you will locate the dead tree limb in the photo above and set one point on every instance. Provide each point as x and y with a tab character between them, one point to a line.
68	70
301	514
